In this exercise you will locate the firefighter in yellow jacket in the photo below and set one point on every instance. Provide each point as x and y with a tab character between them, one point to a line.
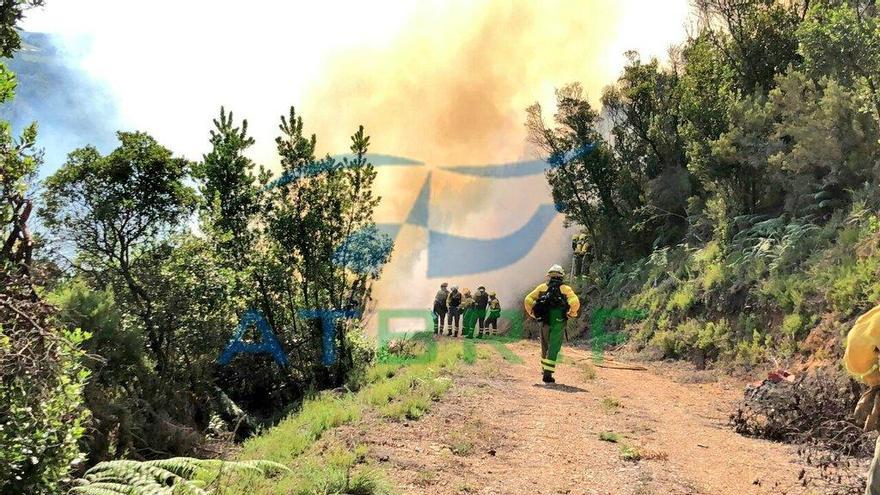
552	303
862	360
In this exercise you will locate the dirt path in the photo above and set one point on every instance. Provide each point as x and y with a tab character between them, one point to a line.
499	431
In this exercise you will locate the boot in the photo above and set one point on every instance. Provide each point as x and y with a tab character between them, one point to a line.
548	377
456	333
449	332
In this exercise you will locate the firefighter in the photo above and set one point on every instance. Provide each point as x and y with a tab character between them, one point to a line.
440	308
481	302
861	360
453	307
579	246
552	303
494	313
468	314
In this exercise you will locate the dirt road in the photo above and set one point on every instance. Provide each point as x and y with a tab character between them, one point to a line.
500	431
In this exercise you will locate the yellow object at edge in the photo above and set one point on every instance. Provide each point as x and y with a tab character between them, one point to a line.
863	348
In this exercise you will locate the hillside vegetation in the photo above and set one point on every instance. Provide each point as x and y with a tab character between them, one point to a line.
782	290
735	200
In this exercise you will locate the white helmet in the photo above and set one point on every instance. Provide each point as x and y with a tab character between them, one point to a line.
556	270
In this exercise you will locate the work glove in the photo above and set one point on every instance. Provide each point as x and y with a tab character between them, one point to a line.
867	411
572	316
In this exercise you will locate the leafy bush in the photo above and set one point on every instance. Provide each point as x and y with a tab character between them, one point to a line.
682	299
754	351
41	383
695	339
791	325
713	274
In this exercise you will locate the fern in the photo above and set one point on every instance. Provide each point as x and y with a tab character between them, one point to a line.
771	243
174	476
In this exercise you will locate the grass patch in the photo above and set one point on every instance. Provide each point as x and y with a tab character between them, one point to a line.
505	352
630	453
463	441
466	488
399	389
610	405
414	401
338	470
292	436
468	351
588	371
426	478
462	447
610	436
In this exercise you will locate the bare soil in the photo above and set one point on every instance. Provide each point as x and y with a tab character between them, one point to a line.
499	430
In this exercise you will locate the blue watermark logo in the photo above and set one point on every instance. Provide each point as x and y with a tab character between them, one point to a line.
267	344
599	337
365	251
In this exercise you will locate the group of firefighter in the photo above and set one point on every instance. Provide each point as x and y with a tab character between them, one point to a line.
456	310
552	303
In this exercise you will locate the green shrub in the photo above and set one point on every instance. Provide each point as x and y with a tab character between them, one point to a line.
652	300
713	274
110	394
714	338
754	351
787	292
666	341
42	376
630	453
710	253
683	298
710	339
41	418
361	356
792	325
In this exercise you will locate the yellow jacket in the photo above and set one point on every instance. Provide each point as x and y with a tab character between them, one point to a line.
862	344
580	244
574	304
467	302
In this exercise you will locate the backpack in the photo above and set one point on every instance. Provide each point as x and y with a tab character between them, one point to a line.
552	298
481	300
455	299
440	300
494	308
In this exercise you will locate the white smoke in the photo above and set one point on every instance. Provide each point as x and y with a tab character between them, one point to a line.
441	82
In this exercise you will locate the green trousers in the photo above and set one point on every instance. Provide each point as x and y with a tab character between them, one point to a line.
470	318
552	332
